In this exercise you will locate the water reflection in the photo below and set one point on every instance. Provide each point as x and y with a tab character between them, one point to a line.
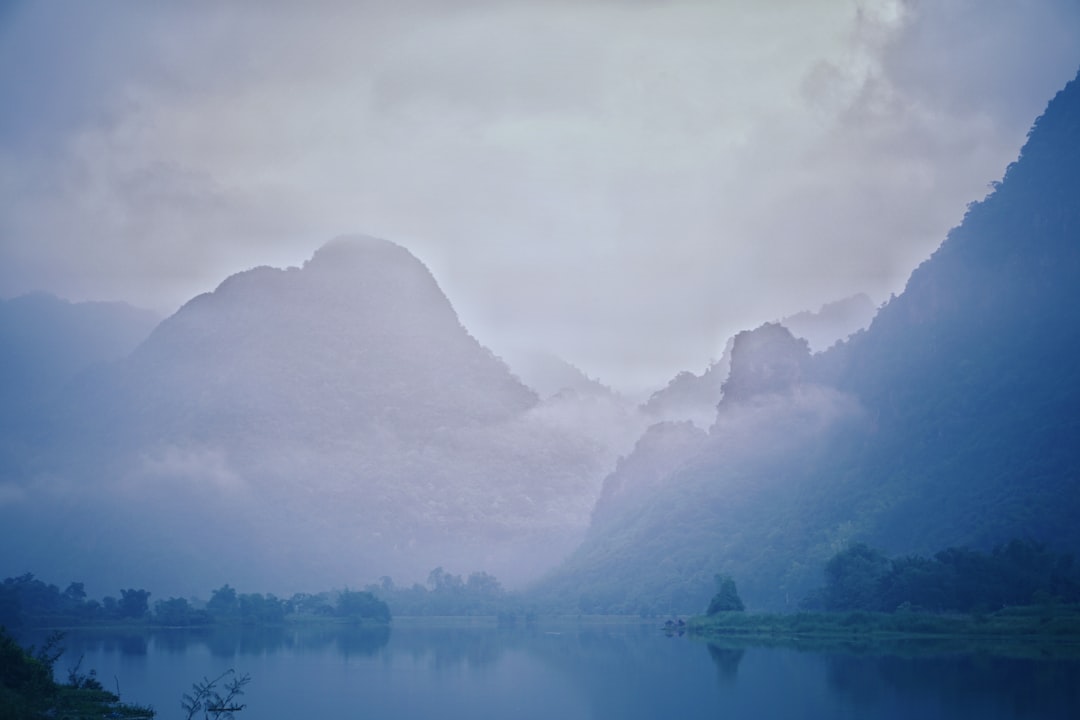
1027	687
228	643
727	661
630	672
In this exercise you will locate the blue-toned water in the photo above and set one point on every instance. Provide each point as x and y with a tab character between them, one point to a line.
575	670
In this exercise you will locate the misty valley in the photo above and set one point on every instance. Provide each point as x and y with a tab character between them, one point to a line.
312	492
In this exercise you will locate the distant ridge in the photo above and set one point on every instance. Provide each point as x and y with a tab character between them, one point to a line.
833	322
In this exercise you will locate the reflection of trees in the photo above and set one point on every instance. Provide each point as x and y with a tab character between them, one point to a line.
176	641
348	640
363	641
449	647
81	642
131	644
727	661
1029	687
262	640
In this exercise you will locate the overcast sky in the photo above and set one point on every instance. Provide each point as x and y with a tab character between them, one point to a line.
624	183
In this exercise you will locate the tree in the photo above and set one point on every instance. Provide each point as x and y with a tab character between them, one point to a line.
76	592
259	609
441	581
362	605
134	603
853	579
223	602
177	612
26	680
110	606
727	597
308	604
483	585
10	605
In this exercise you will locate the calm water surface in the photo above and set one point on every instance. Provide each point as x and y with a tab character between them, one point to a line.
575	670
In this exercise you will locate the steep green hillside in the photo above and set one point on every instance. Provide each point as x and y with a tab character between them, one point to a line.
953	420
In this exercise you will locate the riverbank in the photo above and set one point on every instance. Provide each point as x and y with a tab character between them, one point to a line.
1054	622
29	689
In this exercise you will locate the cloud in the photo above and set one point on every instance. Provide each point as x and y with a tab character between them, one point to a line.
207	469
625	184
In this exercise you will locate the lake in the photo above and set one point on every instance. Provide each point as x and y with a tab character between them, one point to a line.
572	670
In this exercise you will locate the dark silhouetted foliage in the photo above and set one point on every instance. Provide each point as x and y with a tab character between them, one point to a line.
29	692
448	594
134	603
362	606
178	612
1018	573
726	598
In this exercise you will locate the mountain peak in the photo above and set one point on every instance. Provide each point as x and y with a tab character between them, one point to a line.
355	251
763	361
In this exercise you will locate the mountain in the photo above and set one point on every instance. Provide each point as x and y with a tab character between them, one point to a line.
687	504
359	339
973	365
693	397
951	421
548	374
833	322
689	396
306	427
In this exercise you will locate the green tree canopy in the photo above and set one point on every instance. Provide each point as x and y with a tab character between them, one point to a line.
726	598
134	603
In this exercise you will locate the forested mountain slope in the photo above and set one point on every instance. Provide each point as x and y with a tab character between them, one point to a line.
953	420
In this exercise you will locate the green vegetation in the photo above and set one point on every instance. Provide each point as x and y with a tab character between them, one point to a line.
29	602
446	594
1020	589
726	598
27	688
950	421
358	606
1062	622
1018	573
217	698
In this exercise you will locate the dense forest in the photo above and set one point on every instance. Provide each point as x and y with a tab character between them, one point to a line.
1018	573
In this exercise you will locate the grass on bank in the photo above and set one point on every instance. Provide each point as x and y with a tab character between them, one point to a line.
1043	622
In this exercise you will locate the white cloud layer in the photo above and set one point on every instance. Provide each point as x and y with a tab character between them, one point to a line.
623	183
